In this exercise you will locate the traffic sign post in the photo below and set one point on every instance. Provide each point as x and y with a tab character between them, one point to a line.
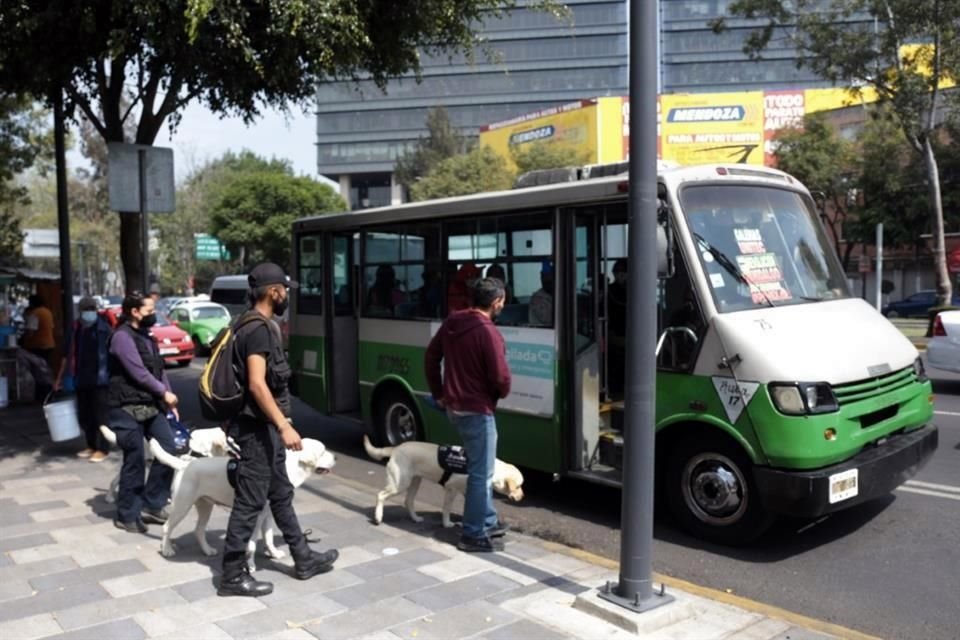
209	248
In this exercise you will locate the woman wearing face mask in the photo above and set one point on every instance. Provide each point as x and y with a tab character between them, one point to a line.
88	362
139	398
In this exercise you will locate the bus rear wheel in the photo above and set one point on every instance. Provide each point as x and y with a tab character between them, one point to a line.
396	419
711	492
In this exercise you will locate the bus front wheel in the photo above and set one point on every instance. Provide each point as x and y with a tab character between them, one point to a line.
711	491
397	420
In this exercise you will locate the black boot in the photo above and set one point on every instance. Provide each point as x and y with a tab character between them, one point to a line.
244	584
308	563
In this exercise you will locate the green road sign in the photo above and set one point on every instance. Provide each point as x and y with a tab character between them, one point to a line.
209	248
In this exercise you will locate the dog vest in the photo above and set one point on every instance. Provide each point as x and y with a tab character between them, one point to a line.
452	459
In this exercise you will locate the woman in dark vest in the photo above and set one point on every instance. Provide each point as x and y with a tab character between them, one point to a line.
139	398
87	361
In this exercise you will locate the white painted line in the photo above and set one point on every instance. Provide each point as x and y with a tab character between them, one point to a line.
930	485
947	413
924	492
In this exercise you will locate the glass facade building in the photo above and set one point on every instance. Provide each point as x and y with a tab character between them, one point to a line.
541	61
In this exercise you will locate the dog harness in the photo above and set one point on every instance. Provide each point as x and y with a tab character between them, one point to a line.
452	459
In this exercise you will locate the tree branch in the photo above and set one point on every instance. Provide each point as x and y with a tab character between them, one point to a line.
84	104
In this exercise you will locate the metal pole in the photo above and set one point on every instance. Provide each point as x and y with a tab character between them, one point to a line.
635	588
144	222
83	269
63	216
879	266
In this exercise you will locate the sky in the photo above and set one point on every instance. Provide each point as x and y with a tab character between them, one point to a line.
203	136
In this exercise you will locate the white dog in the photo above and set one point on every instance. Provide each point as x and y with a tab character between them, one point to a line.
203	442
412	461
203	483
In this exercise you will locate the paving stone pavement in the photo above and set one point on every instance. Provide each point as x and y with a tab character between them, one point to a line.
65	572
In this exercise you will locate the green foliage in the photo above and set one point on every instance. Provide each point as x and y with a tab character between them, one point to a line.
441	142
11	239
26	140
252	213
547	155
235	57
475	172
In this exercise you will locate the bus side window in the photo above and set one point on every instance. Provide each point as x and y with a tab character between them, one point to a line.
680	312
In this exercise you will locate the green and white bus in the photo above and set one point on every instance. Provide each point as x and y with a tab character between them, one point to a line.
777	391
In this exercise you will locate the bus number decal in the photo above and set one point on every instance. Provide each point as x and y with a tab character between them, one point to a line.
734	397
393	364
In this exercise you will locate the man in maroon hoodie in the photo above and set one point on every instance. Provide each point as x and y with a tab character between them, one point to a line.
475	377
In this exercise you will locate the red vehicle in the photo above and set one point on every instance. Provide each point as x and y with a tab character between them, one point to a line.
175	344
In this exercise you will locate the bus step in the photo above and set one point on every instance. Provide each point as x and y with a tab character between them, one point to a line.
611	416
611	449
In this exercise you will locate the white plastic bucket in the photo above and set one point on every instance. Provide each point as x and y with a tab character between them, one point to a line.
62	419
4	392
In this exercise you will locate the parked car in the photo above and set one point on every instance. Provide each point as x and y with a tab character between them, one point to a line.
175	344
202	320
231	292
943	350
913	306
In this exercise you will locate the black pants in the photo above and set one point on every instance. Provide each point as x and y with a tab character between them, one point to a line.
261	477
133	494
92	411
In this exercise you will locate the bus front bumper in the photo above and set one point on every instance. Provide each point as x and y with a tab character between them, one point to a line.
874	472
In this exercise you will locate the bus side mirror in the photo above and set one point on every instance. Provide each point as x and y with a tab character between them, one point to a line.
665	267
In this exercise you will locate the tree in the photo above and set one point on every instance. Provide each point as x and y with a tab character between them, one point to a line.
827	165
836	47
480	170
442	141
234	56
254	211
547	155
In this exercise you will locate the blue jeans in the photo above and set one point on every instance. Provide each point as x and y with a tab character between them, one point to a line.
133	495
479	435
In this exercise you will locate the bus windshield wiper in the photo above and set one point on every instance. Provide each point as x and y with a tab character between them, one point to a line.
731	267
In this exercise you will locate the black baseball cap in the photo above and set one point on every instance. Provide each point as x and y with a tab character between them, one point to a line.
267	273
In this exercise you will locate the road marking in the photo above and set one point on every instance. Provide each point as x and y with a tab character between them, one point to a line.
930	485
925	492
947	413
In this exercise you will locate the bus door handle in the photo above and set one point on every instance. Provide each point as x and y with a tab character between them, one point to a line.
671	332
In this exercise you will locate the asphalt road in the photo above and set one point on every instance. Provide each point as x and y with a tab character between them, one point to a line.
890	568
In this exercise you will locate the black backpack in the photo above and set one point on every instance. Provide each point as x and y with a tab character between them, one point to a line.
221	392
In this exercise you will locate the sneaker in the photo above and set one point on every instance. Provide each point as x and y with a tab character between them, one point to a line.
86	453
479	545
498	530
131	527
99	456
154	516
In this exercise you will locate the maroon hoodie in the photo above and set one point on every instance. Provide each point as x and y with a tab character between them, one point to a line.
475	371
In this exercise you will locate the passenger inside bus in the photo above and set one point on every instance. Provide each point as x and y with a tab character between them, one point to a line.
384	296
497	271
429	296
617	328
458	292
541	302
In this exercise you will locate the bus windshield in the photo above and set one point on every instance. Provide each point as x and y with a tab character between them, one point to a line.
761	247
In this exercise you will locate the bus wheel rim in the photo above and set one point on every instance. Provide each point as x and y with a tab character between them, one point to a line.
401	423
714	489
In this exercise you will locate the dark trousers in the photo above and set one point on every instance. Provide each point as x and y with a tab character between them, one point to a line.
92	411
42	389
261	477
133	495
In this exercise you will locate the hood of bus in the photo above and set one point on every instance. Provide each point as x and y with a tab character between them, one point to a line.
836	341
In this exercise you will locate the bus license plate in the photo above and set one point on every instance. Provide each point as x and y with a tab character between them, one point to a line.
844	485
169	351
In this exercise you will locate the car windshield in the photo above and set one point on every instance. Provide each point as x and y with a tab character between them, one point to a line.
761	247
210	313
162	320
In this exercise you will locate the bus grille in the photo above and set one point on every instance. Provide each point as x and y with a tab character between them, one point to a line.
872	387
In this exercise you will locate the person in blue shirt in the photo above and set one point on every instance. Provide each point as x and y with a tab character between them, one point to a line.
87	361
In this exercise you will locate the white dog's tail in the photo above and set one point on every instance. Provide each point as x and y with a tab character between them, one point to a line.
376	453
108	434
160	455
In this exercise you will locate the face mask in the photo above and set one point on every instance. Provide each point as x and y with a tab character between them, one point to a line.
148	321
88	317
280	306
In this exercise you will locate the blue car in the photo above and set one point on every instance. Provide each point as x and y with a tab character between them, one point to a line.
914	306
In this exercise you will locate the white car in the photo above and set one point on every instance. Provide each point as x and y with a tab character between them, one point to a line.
943	350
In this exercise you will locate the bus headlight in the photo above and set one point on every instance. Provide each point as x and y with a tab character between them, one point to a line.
800	398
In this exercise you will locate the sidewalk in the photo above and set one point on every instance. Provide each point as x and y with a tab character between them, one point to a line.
66	572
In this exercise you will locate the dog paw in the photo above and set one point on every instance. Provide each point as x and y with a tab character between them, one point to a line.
416	518
168	550
276	554
447	525
209	551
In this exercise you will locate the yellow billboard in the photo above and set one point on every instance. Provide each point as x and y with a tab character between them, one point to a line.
712	127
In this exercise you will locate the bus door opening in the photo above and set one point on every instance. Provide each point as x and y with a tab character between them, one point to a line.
342	333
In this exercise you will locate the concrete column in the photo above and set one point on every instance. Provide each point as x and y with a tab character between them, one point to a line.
345	185
396	190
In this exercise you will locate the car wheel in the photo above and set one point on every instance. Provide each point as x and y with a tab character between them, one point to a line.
892	314
396	419
198	346
183	364
711	492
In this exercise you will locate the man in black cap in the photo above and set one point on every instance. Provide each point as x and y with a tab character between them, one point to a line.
263	431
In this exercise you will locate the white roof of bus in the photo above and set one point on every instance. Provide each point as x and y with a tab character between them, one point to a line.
563	193
231	282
